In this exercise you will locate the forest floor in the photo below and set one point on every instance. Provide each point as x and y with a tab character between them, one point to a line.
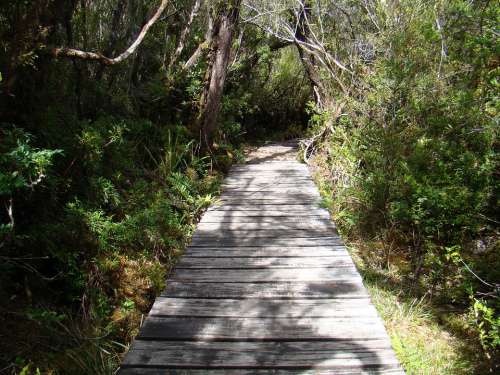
428	338
276	150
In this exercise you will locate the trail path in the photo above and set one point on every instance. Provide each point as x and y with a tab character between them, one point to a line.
266	287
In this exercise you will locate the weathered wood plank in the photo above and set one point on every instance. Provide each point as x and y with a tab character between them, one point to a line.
278	172
269	233
271	188
291	148
273	196
342	355
270	163
266	263
266	181
268	166
266	275
267	176
271	329
265	308
273	290
263	195
288	183
293	194
311	201
265	207
264	200
279	185
264	252
267	225
264	219
277	169
322	213
270	172
256	242
367	370
258	168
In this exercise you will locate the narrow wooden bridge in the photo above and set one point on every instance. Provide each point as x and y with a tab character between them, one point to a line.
266	287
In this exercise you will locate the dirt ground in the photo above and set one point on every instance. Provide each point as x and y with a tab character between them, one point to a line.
273	152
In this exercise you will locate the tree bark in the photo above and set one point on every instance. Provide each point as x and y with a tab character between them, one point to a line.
227	16
308	59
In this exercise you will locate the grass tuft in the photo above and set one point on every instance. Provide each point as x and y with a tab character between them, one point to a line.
423	343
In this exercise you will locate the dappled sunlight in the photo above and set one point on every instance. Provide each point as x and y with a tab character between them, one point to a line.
125	123
266	283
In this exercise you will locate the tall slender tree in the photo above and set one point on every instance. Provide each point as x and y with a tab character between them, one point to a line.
225	20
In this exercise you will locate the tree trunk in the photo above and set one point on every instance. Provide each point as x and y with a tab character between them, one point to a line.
226	19
308	60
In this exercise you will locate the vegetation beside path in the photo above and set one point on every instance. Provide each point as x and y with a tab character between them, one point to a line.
118	119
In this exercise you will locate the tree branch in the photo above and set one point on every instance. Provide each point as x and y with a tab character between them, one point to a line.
96	56
201	47
184	34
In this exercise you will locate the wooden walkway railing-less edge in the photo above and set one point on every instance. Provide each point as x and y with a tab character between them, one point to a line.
266	287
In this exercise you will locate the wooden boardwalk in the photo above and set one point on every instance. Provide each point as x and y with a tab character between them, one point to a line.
266	287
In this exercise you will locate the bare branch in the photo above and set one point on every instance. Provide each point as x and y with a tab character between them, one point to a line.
443	45
371	16
184	34
96	56
9	208
201	47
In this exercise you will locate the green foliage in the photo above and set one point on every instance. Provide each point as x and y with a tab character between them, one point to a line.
268	95
22	168
414	163
44	316
126	210
422	343
101	176
21	165
101	180
27	370
488	323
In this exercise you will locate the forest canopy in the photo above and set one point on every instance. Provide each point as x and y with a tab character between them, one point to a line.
119	118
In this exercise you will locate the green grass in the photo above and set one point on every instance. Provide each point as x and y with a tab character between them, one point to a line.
426	341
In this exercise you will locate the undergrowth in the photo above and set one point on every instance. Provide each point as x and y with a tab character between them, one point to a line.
427	338
110	226
428	335
409	170
432	332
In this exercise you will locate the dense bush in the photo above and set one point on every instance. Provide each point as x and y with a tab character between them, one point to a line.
101	174
99	249
414	163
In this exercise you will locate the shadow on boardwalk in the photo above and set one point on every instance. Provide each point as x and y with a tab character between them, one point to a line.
241	304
